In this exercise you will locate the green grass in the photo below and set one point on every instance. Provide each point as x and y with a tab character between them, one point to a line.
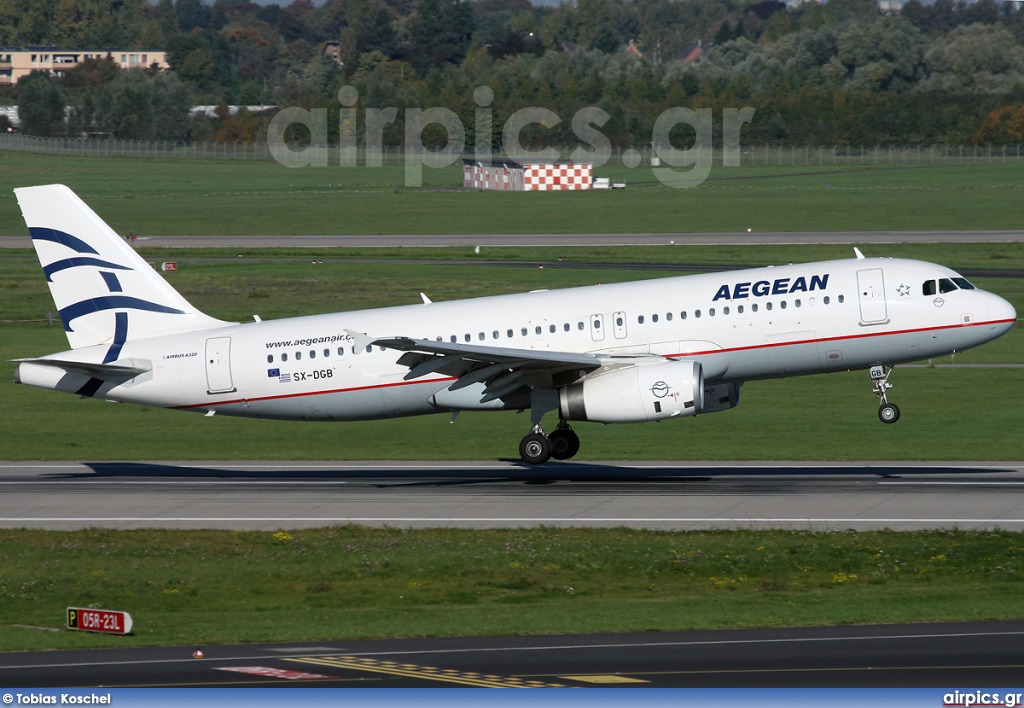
204	587
773	421
194	197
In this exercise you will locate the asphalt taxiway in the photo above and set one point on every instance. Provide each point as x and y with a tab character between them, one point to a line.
500	494
925	655
593	239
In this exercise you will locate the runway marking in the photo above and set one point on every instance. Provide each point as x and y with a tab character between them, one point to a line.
496	520
959	484
430	673
819	669
605	678
553	647
271	672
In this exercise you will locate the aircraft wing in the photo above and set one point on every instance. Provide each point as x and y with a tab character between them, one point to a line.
502	369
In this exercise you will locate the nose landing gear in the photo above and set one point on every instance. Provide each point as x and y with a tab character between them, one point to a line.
887	412
537	448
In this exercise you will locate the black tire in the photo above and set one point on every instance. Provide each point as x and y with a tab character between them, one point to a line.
889	413
535	449
564	444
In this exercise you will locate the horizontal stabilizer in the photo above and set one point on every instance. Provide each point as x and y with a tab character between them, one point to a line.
125	369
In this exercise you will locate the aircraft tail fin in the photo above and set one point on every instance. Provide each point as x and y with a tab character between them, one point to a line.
104	291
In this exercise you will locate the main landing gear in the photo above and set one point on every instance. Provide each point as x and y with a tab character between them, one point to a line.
887	412
537	448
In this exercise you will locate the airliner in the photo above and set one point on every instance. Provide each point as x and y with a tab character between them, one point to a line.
633	352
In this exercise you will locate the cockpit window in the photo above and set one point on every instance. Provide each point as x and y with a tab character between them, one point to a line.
946	285
929	287
963	284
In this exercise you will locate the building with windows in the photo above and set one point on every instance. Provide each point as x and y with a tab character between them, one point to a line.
16	62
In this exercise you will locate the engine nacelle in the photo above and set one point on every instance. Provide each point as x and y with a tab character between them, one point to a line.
636	394
721	397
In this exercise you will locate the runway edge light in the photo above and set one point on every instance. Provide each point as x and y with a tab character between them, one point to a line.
88	619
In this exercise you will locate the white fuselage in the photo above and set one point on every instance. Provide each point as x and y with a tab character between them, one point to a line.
740	325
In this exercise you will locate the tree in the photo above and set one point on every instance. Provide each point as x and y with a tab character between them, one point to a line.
976	59
192	14
440	32
606	40
171	99
1004	126
41	104
127	105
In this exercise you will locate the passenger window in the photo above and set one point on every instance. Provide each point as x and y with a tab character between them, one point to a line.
682	315
481	336
537	329
597	324
797	303
509	334
668	316
495	334
618	322
711	312
270	358
552	328
825	299
524	331
579	326
566	326
312	353
327	352
468	337
725	310
369	348
739	309
696	313
842	299
654	318
454	339
640	319
341	350
298	355
928	288
783	304
768	306
284	357
946	285
963	284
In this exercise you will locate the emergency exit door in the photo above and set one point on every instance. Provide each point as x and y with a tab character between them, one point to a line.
871	293
218	365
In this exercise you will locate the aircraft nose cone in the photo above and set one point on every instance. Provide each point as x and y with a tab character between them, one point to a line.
1002	312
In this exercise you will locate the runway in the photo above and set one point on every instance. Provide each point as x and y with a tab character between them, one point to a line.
923	655
504	494
506	240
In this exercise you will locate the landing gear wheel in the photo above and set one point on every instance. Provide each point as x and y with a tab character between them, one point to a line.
889	413
565	443
535	449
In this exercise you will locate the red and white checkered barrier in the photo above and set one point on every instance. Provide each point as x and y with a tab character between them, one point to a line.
540	177
546	178
492	177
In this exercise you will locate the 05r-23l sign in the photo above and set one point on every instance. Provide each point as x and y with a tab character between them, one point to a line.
87	619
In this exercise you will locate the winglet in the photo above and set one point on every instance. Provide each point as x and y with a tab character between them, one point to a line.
860	256
426	300
360	340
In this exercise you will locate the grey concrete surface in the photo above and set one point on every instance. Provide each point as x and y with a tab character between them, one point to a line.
494	240
656	495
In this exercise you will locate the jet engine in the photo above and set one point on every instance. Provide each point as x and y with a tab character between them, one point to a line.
636	394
